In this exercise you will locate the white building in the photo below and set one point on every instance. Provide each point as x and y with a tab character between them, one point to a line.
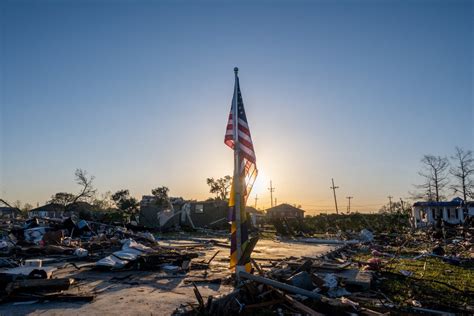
452	212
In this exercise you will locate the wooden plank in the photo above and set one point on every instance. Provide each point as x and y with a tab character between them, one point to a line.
32	285
355	277
298	305
279	285
257	266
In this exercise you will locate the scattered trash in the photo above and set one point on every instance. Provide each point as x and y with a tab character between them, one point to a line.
81	252
38	256
366	235
415	303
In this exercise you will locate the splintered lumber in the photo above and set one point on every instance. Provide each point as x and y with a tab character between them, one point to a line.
40	285
212	258
264	304
213	280
298	305
279	285
306	266
198	296
222	305
257	266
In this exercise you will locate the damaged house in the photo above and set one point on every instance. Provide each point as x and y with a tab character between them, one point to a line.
194	214
257	217
8	212
452	212
285	211
54	210
51	210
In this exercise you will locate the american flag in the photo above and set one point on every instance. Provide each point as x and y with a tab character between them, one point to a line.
247	153
247	171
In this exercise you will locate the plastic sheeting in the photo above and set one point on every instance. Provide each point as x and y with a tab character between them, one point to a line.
130	252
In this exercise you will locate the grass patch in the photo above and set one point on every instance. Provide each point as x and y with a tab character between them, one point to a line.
434	283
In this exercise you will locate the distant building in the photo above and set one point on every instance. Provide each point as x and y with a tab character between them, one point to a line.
285	211
54	210
206	214
257	217
196	214
452	212
153	215
51	210
8	212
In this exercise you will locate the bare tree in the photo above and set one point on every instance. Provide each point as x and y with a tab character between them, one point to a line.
87	191
22	208
17	204
435	175
424	191
462	171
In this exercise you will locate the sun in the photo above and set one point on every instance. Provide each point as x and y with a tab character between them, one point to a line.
259	187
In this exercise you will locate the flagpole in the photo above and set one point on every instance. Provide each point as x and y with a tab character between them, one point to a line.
237	180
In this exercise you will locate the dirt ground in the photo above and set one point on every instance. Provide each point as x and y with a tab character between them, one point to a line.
157	292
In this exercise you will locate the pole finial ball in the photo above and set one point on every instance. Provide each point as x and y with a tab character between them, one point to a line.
236	69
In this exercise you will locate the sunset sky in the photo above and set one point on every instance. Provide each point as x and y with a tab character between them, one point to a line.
138	93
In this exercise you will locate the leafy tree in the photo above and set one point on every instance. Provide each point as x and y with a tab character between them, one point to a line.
462	172
62	198
220	187
161	196
124	201
105	201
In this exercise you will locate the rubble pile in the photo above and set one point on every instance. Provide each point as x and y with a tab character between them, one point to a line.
33	252
366	272
384	274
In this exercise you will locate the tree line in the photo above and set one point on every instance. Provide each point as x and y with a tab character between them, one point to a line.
121	200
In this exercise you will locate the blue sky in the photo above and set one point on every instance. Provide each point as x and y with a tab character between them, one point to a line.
138	93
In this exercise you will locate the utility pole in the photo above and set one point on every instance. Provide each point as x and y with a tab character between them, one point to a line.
271	189
334	192
390	202
349	206
256	199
